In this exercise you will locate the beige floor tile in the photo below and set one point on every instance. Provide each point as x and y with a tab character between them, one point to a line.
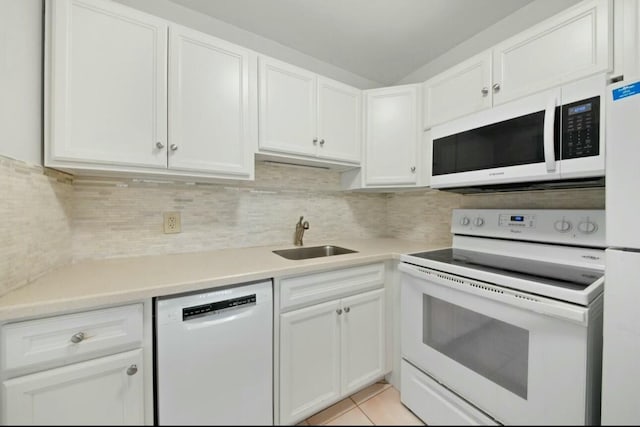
367	393
333	411
386	409
354	417
303	423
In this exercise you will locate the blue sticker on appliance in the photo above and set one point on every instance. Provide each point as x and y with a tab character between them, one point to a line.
626	91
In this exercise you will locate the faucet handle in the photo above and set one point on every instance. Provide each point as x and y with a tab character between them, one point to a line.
300	220
305	225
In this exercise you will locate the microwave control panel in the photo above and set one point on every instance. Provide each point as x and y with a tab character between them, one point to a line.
581	128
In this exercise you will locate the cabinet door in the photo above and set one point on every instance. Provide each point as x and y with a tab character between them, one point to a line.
461	90
391	135
363	342
339	121
287	114
107	97
99	391
209	104
309	360
572	44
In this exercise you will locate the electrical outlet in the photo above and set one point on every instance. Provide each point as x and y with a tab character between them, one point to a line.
172	222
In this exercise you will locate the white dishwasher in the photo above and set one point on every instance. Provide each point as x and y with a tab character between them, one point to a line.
214	357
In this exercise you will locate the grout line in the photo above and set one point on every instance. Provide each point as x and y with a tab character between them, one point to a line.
365	414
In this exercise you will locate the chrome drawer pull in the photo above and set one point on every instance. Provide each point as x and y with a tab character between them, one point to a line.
76	338
132	370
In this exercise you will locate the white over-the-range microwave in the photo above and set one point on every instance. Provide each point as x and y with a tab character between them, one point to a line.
555	137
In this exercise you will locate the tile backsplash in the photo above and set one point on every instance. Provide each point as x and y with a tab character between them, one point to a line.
114	218
426	214
36	228
54	220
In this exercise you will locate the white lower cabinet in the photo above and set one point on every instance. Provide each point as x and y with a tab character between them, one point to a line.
328	351
107	390
84	368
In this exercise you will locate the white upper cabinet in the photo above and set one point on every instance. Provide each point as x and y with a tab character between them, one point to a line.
209	110
458	91
287	108
392	134
572	44
303	114
108	94
339	121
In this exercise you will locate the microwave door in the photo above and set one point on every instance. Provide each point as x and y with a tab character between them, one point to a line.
513	142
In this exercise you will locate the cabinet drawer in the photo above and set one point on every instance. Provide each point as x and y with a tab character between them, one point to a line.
434	404
299	291
49	342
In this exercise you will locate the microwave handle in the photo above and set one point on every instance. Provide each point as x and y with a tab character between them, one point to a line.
549	130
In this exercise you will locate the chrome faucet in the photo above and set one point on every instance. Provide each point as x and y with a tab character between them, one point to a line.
300	227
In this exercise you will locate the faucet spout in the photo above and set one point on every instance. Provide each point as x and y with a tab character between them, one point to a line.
300	227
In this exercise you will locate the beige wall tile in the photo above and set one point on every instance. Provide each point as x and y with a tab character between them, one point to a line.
36	227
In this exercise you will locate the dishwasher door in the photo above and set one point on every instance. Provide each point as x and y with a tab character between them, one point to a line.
214	357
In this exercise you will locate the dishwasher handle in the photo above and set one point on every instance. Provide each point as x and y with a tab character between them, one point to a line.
217	307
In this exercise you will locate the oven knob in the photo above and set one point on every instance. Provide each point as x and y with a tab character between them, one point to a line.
464	221
562	226
587	227
478	222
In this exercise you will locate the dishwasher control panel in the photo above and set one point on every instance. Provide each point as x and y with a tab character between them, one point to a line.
214	307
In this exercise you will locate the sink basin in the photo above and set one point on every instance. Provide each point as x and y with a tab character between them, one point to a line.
313	252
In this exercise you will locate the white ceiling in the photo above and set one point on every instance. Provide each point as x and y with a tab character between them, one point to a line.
382	40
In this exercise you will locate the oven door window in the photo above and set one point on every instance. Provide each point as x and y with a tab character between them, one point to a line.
490	347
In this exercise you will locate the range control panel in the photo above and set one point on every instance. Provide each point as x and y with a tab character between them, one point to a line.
572	227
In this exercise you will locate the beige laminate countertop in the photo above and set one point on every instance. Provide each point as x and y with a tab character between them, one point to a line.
120	280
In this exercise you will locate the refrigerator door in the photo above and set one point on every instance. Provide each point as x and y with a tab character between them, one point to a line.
622	160
621	339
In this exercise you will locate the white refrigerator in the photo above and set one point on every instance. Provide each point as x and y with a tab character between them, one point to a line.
621	340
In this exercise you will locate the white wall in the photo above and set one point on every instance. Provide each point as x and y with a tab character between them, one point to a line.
523	18
199	21
21	80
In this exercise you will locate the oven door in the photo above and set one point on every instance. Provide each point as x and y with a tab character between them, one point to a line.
520	358
514	142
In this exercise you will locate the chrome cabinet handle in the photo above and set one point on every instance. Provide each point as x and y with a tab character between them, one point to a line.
76	338
159	145
173	147
413	168
132	370
485	91
347	309
315	141
339	311
496	87
321	142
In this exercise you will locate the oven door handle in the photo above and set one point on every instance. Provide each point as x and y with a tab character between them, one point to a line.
535	304
548	135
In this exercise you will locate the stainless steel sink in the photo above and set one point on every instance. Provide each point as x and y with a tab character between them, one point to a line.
313	252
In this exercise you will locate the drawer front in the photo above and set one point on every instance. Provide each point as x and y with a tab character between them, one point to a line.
50	341
434	404
296	292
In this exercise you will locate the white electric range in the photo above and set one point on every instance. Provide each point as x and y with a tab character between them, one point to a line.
505	327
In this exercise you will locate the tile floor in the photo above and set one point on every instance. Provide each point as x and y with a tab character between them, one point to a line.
378	404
